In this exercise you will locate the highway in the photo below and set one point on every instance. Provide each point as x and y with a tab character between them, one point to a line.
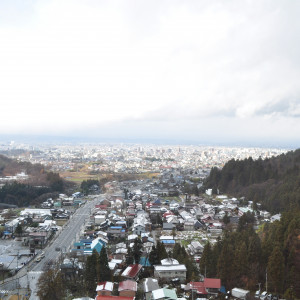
63	240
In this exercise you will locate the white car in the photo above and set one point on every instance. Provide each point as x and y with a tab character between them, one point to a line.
257	294
263	296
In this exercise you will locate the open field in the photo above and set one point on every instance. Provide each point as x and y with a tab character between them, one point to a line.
78	177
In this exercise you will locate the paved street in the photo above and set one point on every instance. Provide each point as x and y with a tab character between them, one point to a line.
64	240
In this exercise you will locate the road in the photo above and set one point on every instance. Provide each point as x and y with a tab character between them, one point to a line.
64	240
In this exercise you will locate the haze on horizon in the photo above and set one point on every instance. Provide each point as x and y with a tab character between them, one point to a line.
214	71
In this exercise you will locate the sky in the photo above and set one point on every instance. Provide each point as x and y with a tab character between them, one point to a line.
184	71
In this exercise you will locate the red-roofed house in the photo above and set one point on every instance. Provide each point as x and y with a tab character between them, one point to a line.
168	213
101	206
210	286
132	271
101	297
105	288
127	288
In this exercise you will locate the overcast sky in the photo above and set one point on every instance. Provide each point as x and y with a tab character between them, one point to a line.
202	71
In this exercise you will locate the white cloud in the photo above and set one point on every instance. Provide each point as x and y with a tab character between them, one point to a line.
71	65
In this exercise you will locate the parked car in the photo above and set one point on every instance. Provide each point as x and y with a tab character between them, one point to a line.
38	259
263	295
257	294
269	297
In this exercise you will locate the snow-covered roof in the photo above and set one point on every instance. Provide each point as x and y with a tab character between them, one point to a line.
170	268
169	261
105	286
166	237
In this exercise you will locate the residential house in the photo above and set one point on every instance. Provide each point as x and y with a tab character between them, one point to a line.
71	267
38	239
145	237
127	288
275	218
195	248
116	232
132	237
189	225
138	229
87	246
164	293
209	287
11	225
168	226
168	241
105	288
147	247
100	218
132	271
149	285
169	272
169	261
174	205
103	297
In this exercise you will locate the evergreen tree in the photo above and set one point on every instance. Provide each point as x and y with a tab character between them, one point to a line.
276	270
91	273
226	265
176	251
154	256
241	263
129	257
19	230
105	272
162	252
206	261
137	250
226	219
191	269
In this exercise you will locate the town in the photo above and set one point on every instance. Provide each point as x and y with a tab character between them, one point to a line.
153	229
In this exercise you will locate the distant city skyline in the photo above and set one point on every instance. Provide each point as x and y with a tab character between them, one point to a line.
31	140
181	72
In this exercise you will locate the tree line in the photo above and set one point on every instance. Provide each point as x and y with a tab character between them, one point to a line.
245	258
274	182
22	194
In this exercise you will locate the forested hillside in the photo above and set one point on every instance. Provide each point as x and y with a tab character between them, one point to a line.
31	190
274	182
245	258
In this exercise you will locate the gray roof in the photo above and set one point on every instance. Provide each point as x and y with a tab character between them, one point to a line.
168	226
150	284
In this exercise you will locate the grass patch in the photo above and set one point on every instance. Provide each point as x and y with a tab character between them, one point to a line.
84	174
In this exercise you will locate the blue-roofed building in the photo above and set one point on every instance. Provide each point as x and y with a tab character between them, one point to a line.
157	203
168	243
86	246
144	261
97	244
79	246
115	232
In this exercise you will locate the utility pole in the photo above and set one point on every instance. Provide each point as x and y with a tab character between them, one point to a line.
18	284
266	279
259	286
192	292
28	286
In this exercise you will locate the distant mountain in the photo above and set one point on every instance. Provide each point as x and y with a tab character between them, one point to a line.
273	182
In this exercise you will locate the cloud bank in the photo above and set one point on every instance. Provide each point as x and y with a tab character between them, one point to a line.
202	69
